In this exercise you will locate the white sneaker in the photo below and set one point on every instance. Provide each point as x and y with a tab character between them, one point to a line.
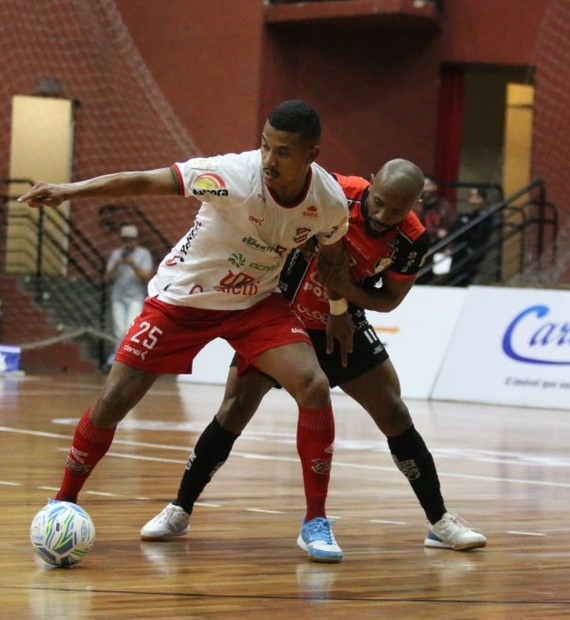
451	532
172	522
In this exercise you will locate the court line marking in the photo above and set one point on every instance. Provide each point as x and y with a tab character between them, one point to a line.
257	510
257	456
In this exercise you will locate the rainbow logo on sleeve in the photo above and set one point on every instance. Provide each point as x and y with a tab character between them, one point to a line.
209	183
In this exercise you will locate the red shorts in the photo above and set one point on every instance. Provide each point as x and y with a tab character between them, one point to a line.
166	338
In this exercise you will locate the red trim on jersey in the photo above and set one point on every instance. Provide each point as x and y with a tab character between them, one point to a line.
179	179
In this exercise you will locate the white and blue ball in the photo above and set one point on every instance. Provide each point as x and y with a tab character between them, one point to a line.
62	533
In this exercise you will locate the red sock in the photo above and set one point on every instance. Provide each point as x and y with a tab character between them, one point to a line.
88	447
315	437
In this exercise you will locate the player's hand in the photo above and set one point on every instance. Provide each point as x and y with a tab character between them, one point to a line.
45	194
308	249
340	328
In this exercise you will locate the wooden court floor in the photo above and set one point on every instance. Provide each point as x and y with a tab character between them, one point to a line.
505	470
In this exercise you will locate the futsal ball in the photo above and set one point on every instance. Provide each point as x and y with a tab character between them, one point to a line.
62	533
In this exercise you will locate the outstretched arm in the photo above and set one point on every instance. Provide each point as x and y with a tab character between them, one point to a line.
159	182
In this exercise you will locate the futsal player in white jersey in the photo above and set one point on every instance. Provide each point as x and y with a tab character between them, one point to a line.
220	280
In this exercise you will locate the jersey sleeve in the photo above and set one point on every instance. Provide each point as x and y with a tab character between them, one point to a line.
335	206
218	178
202	177
410	257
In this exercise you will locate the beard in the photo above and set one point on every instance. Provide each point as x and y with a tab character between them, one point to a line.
369	228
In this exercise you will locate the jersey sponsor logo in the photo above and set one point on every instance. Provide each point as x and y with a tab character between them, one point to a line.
261	267
252	242
313	284
209	183
311	211
314	315
301	235
184	247
237	284
176	257
255	220
237	259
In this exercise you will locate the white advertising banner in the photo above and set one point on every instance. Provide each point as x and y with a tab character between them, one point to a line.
510	347
211	365
416	336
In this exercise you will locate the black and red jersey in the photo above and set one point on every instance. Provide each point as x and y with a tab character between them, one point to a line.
398	253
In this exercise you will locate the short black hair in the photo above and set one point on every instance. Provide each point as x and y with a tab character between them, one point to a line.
297	116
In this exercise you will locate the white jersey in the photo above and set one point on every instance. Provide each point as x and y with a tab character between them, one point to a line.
232	256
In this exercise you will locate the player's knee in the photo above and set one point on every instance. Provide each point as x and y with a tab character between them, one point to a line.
312	390
106	414
395	418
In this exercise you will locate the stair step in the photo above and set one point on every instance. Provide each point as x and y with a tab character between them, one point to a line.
22	322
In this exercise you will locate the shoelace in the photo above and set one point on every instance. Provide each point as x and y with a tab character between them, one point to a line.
323	527
457	520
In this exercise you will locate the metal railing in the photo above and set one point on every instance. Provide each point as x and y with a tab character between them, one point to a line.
524	234
59	265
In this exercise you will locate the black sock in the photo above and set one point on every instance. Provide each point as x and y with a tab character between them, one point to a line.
415	461
210	453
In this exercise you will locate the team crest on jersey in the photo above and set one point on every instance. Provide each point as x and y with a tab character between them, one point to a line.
209	183
301	235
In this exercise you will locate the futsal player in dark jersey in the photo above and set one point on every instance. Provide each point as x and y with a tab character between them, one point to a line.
386	243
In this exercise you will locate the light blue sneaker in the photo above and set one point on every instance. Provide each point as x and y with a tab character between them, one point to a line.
317	539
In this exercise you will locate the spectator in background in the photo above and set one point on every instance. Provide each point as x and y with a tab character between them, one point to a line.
470	249
435	212
129	268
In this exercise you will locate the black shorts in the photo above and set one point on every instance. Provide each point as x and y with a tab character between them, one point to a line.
367	352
